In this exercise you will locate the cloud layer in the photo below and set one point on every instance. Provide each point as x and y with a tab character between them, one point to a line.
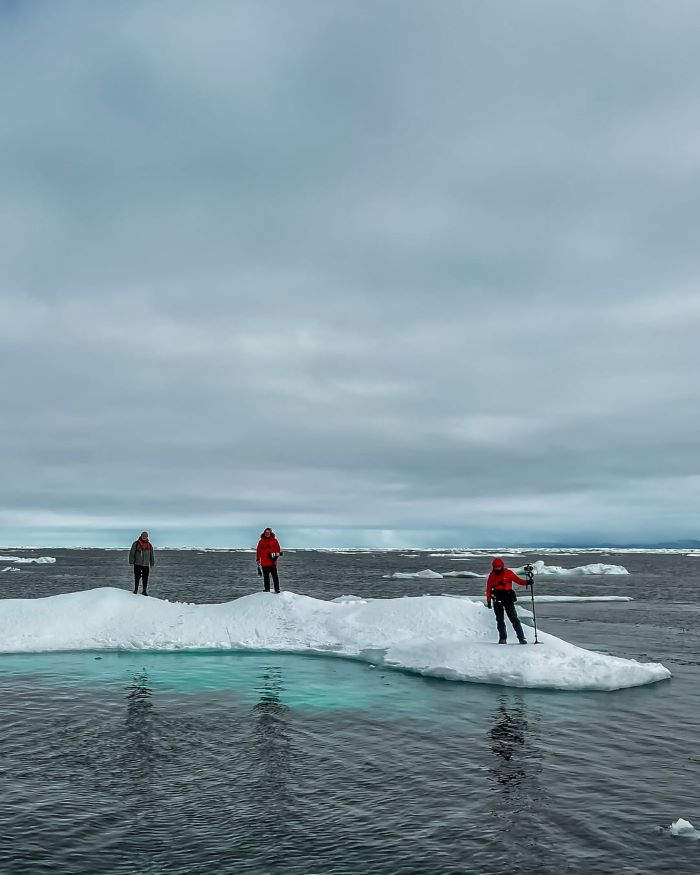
396	273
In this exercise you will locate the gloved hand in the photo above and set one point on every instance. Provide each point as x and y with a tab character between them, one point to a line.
488	604
259	571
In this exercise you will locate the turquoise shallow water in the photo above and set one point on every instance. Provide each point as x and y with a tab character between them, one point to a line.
266	763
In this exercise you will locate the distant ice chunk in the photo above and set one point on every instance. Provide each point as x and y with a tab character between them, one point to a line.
539	567
462	574
25	560
413	575
684	828
430	635
9	568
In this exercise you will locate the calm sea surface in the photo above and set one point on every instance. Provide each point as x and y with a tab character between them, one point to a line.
217	762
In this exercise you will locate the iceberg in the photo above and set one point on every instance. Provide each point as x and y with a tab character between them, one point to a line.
684	828
539	567
432	636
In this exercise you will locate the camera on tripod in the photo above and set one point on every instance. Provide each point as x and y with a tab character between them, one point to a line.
529	573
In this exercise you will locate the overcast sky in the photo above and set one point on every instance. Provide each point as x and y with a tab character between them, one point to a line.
392	273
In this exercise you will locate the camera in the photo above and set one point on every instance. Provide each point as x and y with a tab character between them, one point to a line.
273	555
529	572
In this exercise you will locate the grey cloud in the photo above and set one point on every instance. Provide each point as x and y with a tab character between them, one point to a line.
406	269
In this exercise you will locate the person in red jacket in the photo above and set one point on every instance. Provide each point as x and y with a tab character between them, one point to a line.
267	554
499	590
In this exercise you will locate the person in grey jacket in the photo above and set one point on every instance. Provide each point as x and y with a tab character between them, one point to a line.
141	557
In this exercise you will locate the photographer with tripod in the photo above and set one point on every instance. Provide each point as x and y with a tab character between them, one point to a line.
499	590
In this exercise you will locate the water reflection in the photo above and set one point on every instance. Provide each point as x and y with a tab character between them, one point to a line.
272	732
507	736
518	759
140	726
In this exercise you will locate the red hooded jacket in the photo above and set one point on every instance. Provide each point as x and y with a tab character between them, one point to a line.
265	547
502	581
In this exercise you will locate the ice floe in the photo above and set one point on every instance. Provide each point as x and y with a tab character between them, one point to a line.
9	568
567	599
427	574
430	635
462	574
539	567
684	828
26	560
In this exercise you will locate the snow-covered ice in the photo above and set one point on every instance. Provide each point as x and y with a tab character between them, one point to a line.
462	574
9	568
427	574
20	560
539	567
567	599
684	828
430	635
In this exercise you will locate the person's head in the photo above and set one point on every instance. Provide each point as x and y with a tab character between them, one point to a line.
143	536
267	533
498	566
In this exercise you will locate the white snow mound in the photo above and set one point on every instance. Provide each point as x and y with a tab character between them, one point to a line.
430	635
539	567
684	828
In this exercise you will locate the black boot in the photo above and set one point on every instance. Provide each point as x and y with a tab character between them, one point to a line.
502	641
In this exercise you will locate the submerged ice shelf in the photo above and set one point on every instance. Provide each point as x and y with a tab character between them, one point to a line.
435	636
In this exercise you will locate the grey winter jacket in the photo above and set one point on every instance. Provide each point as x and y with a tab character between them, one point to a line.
141	557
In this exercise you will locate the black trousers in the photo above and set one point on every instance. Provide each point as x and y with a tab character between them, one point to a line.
499	608
141	571
270	571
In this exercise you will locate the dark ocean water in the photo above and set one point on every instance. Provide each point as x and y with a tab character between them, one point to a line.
269	763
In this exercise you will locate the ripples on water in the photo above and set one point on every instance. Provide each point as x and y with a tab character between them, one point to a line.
260	763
